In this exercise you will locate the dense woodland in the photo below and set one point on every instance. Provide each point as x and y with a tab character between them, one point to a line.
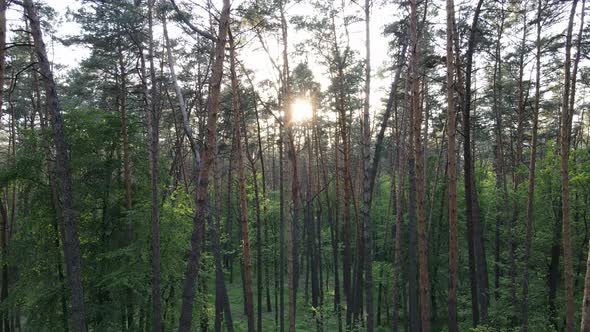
161	184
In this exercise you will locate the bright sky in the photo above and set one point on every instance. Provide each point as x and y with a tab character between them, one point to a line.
255	59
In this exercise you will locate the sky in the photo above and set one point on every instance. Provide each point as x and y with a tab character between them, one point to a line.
253	57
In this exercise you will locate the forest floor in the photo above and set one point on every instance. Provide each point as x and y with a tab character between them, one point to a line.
305	320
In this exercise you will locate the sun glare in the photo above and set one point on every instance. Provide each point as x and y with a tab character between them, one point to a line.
302	110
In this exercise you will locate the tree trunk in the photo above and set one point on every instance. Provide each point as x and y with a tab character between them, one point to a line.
398	230
392	106
4	221
221	299
252	160
281	234
565	133
470	247
339	100
292	237
188	291
419	171
126	169
63	170
153	124
478	268
3	242
265	208
531	184
585	325
311	227
452	177
335	226
367	185
248	296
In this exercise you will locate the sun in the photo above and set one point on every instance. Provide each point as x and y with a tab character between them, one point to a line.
302	110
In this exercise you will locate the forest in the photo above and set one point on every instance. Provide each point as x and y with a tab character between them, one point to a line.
284	165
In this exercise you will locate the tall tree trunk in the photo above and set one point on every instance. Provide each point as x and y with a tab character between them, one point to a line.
470	235
221	298
63	170
392	105
281	233
259	277
479	268
3	241
332	222
3	7
124	130
126	168
452	176
229	217
265	209
57	222
499	166
311	227
419	171
398	229
498	154
292	237
565	133
337	213
153	124
585	324
344	170
4	221
188	290
367	187
248	296
531	184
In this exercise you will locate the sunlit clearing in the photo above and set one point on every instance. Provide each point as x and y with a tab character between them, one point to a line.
302	110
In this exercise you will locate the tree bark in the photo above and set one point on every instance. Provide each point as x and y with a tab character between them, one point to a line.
188	291
531	184
469	234
367	185
281	234
392	106
292	237
475	231
153	124
252	160
248	296
221	299
499	165
565	133
63	170
452	176
4	221
419	171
